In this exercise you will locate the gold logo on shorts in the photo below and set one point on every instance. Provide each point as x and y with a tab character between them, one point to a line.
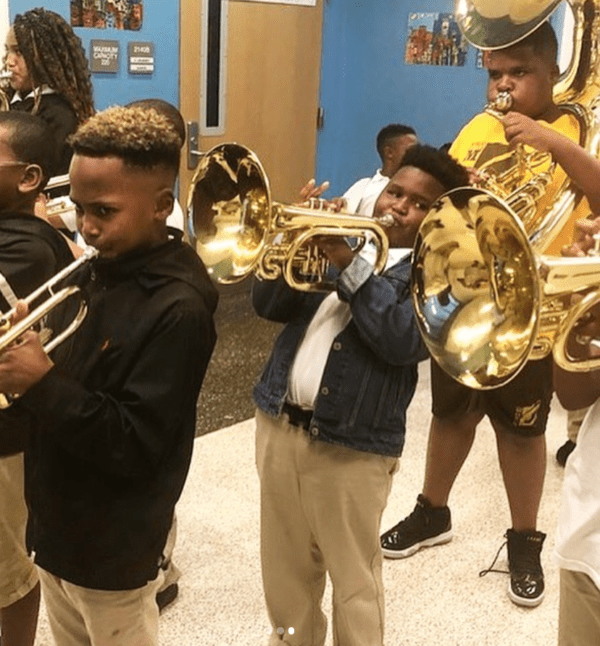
527	415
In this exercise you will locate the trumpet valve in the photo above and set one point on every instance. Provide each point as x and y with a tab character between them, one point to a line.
595	250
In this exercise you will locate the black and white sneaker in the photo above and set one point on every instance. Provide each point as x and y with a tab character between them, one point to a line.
526	585
426	526
526	576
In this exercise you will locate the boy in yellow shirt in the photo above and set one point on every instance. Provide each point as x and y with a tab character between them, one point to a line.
518	411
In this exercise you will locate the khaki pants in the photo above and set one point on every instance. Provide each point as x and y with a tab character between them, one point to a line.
18	575
579	612
84	617
321	508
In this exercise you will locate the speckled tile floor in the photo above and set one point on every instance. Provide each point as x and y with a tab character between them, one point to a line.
244	342
435	597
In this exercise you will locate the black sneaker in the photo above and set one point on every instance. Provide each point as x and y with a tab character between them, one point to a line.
564	452
526	587
425	527
166	597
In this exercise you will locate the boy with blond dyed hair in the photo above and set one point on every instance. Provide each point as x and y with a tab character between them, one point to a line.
113	410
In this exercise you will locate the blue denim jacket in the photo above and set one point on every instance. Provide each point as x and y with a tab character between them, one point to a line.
371	372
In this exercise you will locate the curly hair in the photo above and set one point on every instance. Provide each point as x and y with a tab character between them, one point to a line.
142	137
437	163
55	56
166	108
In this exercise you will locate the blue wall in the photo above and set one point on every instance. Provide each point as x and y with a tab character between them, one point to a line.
365	85
160	26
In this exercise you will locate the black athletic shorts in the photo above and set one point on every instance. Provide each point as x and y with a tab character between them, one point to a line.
522	405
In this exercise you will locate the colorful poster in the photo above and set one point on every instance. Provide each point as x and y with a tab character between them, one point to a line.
434	39
111	14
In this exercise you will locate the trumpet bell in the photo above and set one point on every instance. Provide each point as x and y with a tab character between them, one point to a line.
476	290
229	211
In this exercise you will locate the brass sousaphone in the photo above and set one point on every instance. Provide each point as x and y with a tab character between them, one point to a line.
486	298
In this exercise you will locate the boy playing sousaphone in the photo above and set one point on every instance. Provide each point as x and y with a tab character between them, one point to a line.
518	411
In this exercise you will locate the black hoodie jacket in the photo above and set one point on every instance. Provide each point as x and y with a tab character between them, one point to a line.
114	420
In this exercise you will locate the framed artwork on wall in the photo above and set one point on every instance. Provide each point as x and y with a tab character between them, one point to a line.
103	14
434	39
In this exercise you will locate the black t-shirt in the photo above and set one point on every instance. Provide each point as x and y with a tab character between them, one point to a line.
31	252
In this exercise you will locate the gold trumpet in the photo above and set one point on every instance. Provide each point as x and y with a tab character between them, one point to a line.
236	229
12	332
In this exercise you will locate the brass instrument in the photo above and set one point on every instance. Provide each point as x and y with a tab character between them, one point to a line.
485	297
59	206
236	229
486	25
521	194
485	302
11	333
4	101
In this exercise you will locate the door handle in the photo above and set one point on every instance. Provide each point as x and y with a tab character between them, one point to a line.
194	154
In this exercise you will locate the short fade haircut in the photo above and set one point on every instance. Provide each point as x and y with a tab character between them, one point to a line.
437	163
166	108
390	132
31	140
542	41
140	137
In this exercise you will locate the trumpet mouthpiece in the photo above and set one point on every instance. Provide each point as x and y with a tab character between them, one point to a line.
502	103
386	220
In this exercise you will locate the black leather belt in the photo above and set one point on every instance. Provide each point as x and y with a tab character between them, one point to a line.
298	416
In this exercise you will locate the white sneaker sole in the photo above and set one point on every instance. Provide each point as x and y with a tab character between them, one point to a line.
440	539
526	603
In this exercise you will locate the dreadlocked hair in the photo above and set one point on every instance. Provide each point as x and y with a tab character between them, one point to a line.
55	57
141	137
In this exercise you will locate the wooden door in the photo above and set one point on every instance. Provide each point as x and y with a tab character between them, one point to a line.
273	62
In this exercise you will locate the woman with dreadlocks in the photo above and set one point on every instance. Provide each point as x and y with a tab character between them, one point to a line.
50	78
50	75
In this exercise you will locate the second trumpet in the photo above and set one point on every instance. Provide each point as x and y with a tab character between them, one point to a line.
236	228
